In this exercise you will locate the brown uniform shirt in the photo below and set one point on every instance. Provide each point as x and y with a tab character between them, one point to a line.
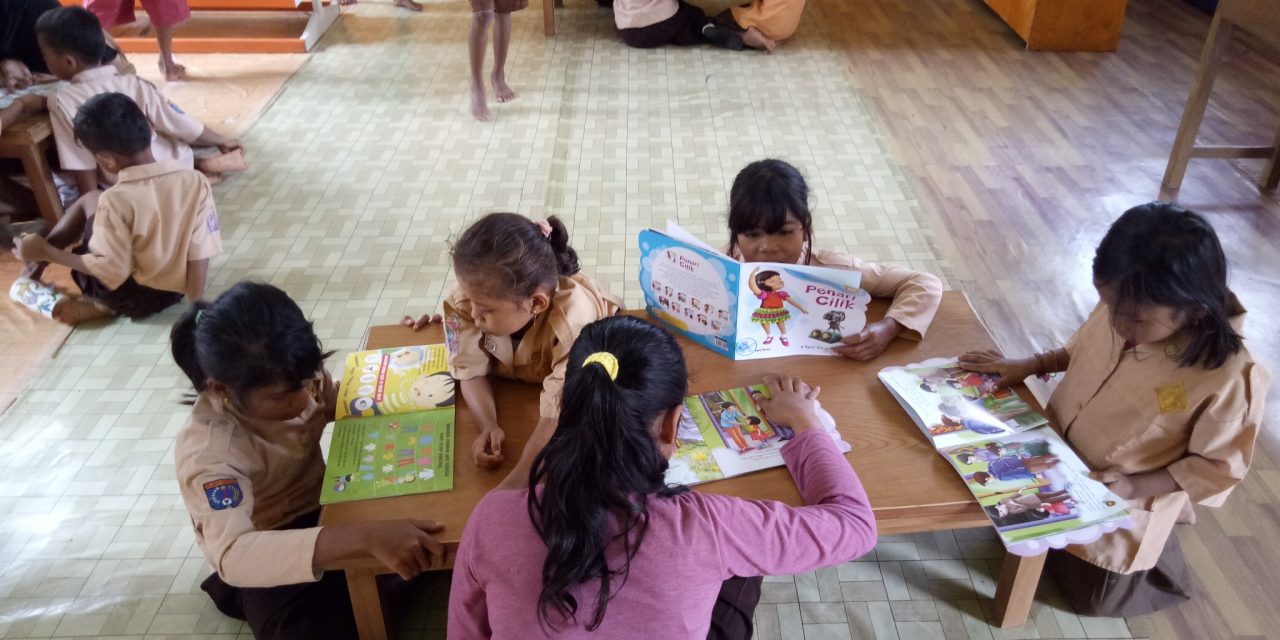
915	294
1136	411
242	478
543	351
154	221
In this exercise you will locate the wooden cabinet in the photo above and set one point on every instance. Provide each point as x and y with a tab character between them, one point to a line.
1064	25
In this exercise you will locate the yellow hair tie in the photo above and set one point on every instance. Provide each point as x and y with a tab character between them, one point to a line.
606	360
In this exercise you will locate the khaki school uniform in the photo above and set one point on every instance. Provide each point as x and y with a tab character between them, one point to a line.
243	478
1136	411
542	353
776	19
915	294
174	130
155	220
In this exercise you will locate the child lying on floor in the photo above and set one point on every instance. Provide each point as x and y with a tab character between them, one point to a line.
144	246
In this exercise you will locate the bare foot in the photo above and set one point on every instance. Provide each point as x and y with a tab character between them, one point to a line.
75	310
222	163
501	90
171	70
409	4
756	40
33	270
479	105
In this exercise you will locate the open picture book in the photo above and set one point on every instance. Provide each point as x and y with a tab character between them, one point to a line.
747	310
394	433
1032	485
723	434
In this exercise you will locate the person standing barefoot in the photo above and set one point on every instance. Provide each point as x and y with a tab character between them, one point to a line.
484	12
165	15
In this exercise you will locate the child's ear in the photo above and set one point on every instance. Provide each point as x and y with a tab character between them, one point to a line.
668	423
107	161
540	301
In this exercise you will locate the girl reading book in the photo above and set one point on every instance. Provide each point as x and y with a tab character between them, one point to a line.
518	305
250	470
598	543
767	285
1160	397
770	221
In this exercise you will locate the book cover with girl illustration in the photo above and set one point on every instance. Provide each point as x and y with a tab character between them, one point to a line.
1035	489
747	310
395	428
723	434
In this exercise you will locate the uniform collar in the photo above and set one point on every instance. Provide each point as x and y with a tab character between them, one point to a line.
1173	347
96	73
149	170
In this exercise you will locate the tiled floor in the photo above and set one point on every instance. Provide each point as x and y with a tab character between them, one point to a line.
362	170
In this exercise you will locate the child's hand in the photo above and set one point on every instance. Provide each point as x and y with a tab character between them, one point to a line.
405	546
30	248
870	342
32	103
792	403
417	325
487	449
15	74
230	145
1011	371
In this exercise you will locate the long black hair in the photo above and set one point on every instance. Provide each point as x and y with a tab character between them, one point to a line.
764	192
603	462
252	336
509	254
1162	254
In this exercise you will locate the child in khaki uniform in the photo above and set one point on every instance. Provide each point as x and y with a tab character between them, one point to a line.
770	221
150	240
76	50
1160	397
250	470
519	304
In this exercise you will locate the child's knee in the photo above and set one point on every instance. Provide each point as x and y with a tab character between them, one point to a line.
483	18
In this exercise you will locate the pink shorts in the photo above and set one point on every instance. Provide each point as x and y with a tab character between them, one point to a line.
163	13
498	6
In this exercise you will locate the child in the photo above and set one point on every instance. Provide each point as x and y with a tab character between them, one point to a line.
152	235
75	50
772	21
606	546
519	304
731	419
1160	397
250	470
646	24
499	13
770	221
767	285
162	15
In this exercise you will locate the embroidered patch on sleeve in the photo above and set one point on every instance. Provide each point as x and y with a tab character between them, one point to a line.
212	220
1172	399
223	494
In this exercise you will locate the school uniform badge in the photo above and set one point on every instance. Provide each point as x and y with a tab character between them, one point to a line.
223	494
1172	399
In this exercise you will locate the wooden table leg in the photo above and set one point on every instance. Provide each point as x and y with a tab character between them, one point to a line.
366	603
36	166
1271	175
1017	588
549	17
1197	101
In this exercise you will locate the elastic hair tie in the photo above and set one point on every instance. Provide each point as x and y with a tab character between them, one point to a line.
606	360
544	226
199	313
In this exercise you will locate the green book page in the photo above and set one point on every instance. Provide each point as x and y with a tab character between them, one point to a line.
382	456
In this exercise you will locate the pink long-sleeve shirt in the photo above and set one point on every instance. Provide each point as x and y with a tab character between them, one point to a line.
695	542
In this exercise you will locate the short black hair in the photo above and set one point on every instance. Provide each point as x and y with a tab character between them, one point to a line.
113	123
75	30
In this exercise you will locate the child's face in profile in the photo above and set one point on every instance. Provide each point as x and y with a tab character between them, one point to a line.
279	402
786	246
1141	323
62	65
502	316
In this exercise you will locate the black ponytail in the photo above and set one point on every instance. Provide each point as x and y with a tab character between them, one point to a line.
252	336
603	462
510	256
1162	254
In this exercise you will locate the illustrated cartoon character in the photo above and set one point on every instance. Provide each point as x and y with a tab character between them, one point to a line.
757	431
425	392
832	335
1010	468
1055	502
731	419
667	291
784	433
407	358
977	426
697	304
702	319
682	298
657	286
340	483
716	326
767	286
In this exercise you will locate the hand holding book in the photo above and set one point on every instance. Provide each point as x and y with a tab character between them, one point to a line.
791	402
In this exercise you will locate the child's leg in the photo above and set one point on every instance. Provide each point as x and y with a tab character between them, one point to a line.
501	42
782	327
476	44
408	4
168	66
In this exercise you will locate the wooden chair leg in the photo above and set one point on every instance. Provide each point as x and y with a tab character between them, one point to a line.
1016	590
1271	176
1197	101
36	165
366	604
549	17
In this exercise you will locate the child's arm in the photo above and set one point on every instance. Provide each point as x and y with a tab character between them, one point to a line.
404	546
751	281
33	248
197	272
796	305
915	294
21	107
1014	370
210	138
487	448
1139	485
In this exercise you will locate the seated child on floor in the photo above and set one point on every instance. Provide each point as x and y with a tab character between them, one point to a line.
75	49
770	221
149	239
1160	397
250	468
773	21
518	305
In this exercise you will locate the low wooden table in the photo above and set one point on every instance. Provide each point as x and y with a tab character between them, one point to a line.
912	489
28	140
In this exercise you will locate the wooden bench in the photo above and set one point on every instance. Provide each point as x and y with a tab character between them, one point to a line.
28	140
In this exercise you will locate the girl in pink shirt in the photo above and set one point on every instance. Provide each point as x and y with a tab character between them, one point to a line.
602	547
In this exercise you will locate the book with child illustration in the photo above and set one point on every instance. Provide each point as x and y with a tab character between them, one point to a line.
723	434
747	310
1035	489
394	433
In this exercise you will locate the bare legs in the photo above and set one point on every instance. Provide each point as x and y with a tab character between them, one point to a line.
476	45
501	43
168	66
